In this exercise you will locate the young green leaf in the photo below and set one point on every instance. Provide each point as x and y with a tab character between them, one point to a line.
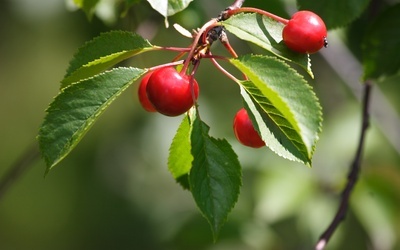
266	33
282	106
215	177
180	157
88	6
169	7
335	13
76	108
381	45
104	52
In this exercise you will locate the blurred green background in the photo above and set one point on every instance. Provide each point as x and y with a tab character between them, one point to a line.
114	190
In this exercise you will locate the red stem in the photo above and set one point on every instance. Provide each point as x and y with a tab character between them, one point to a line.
230	49
196	40
177	49
224	40
259	11
195	67
179	56
220	68
210	56
166	65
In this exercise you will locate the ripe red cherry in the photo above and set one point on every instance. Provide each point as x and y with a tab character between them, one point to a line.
143	99
170	92
305	32
245	132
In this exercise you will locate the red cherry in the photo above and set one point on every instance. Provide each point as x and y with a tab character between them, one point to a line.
305	32
170	92
143	99
245	132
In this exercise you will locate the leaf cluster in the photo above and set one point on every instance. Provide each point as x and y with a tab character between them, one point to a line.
282	105
283	108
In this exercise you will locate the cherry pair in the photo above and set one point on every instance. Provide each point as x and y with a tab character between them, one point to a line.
168	92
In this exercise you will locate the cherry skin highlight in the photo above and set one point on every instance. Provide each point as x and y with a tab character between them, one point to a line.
244	130
143	99
170	92
305	32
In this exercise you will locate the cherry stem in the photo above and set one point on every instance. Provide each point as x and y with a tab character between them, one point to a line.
227	45
195	67
230	49
210	56
196	40
259	11
170	64
177	49
220	68
179	56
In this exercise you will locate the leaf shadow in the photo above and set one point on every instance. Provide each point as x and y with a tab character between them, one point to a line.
280	47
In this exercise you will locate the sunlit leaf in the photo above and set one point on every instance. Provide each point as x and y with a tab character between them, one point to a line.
266	33
104	52
215	177
180	157
381	45
76	108
282	105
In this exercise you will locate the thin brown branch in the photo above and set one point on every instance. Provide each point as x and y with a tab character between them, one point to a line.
26	160
353	173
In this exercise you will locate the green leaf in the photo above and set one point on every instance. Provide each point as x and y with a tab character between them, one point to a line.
180	157
169	7
88	6
381	45
76	108
336	13
266	33
282	106
215	177
104	52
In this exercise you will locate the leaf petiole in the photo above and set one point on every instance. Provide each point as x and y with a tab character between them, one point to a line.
166	65
222	69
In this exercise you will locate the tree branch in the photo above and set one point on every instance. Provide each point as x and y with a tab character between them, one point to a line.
353	173
18	168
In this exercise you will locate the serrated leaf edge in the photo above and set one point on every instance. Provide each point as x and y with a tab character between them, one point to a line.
75	139
319	110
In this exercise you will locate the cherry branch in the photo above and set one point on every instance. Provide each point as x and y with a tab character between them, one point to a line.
18	168
353	173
